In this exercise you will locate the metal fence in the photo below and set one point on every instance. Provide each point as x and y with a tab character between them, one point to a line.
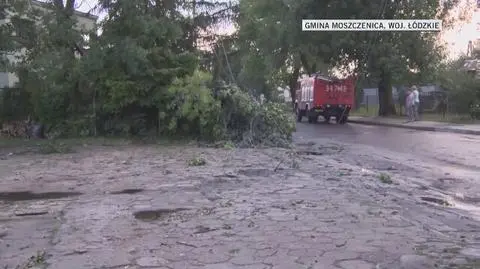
430	109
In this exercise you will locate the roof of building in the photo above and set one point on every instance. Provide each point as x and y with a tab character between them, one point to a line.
78	13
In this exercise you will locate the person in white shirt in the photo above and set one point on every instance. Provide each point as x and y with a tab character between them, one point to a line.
416	102
409	105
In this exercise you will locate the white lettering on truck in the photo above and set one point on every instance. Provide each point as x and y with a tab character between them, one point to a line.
336	88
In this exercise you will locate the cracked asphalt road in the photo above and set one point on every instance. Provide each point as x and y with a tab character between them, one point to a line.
440	160
346	197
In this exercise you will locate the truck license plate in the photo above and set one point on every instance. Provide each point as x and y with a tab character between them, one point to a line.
318	110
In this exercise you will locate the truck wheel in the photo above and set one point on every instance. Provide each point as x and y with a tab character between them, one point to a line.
343	120
327	119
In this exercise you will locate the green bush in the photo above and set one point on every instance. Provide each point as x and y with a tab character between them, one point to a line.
249	122
462	87
191	108
231	114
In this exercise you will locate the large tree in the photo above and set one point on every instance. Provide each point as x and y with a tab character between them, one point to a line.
5	34
273	29
141	51
392	57
48	68
270	31
10	13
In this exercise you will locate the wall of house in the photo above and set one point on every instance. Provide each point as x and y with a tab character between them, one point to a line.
4	80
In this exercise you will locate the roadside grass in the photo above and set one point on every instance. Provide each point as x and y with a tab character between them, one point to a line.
367	111
372	111
385	178
197	161
35	261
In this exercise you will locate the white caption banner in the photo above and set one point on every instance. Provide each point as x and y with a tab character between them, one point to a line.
372	25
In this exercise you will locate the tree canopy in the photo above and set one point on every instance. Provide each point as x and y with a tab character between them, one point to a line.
272	29
160	66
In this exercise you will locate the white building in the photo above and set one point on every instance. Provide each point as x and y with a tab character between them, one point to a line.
85	21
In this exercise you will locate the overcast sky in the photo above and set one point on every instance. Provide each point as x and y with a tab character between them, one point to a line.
86	5
89	5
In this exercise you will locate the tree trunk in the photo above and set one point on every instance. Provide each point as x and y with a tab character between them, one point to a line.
385	96
293	83
309	69
70	7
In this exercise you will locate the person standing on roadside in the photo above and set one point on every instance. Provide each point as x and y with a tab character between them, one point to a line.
409	105
416	102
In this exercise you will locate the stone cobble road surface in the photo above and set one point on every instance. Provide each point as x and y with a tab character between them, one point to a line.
145	207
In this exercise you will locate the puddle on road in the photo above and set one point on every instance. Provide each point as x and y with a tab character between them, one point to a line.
447	179
128	191
310	152
27	195
158	214
255	172
305	144
25	214
434	200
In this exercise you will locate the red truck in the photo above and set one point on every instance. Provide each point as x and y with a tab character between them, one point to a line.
323	96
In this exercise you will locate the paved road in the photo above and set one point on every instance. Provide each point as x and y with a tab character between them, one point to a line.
455	150
326	207
443	160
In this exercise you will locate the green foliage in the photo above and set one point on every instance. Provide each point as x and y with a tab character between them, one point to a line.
228	145
7	44
53	147
253	75
131	66
47	69
385	178
197	162
273	44
37	260
275	125
462	87
191	108
270	31
13	104
250	122
231	114
138	79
